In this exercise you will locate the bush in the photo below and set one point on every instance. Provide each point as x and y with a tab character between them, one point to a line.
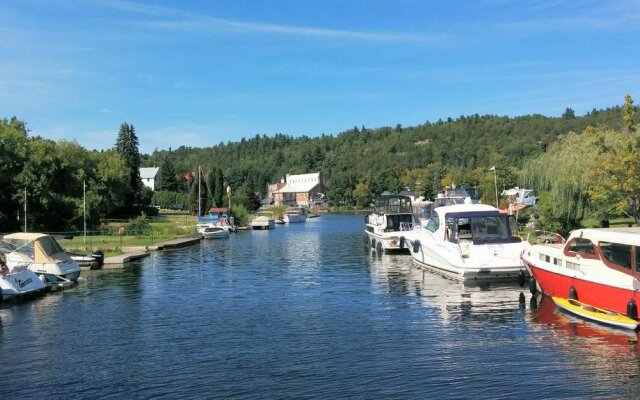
139	226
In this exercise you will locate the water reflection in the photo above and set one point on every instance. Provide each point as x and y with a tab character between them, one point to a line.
456	301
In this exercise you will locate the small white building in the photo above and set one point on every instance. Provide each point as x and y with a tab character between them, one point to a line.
148	176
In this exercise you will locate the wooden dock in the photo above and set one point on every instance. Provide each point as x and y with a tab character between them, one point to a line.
133	254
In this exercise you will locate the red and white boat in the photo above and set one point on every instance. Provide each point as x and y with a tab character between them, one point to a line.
599	267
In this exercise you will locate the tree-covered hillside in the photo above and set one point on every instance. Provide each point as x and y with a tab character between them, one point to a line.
361	162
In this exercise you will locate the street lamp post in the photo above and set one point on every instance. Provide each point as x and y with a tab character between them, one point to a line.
495	183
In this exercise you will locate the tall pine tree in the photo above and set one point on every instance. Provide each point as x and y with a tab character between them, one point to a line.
167	175
127	147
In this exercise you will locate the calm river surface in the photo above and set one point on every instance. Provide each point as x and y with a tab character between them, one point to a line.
302	311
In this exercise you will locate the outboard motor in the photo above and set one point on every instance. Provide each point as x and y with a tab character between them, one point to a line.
632	309
99	256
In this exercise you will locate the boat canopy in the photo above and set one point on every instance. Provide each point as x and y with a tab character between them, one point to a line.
41	248
389	204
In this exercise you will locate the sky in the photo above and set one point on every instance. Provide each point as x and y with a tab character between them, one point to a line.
198	73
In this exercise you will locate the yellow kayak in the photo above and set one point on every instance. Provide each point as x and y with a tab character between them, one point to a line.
595	313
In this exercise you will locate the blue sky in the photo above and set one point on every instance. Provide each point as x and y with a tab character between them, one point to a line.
198	73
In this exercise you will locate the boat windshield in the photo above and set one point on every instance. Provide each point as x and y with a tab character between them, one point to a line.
491	228
392	204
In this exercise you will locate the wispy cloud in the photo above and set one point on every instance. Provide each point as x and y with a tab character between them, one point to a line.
176	19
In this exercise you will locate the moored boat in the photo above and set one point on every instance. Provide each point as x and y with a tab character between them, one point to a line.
595	314
18	281
469	242
294	214
597	266
215	232
392	216
42	254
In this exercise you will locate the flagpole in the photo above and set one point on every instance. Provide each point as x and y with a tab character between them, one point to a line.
84	208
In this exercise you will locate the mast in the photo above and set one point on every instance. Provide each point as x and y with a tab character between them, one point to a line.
199	194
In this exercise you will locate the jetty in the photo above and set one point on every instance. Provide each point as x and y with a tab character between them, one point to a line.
135	253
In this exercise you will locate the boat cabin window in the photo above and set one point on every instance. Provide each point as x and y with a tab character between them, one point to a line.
433	223
581	246
492	228
617	254
394	221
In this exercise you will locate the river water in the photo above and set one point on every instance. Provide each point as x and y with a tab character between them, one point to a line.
302	311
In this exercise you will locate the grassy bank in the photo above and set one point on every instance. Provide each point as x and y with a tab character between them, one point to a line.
119	236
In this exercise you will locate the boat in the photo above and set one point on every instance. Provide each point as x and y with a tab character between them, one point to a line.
392	216
595	314
263	220
43	255
215	232
455	195
597	266
18	281
94	260
469	242
294	214
520	197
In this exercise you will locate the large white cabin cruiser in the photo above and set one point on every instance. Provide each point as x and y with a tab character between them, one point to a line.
469	242
18	281
392	216
43	255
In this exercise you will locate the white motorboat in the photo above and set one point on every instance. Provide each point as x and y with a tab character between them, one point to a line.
42	254
263	220
469	242
18	281
295	214
215	232
392	216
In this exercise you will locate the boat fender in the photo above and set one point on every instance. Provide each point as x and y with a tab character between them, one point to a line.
573	293
365	239
632	309
533	303
416	246
533	286
521	278
0	296
379	248
402	240
373	244
521	300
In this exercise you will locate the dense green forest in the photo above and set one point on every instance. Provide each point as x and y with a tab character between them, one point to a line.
361	162
356	165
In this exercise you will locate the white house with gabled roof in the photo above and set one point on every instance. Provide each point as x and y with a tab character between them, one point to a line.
148	176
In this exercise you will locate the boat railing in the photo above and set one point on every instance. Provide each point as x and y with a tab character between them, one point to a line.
406	226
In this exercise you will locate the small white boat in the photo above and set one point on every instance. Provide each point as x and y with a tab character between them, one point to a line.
215	232
18	281
469	242
295	214
42	254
